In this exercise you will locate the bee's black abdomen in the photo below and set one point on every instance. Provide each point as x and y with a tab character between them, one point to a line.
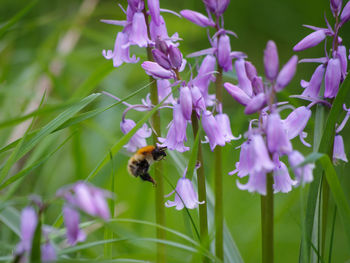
147	177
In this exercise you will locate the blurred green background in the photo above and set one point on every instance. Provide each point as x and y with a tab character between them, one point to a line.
57	46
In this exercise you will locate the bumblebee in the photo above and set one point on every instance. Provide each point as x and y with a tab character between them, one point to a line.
140	162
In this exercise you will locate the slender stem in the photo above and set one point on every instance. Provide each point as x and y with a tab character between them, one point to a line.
219	216
202	196
267	221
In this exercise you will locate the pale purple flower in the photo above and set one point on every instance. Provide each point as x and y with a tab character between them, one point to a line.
138	35
282	181
238	94
223	120
29	221
212	130
180	122
243	80
341	54
256	183
71	221
246	159
155	70
185	195
153	6
262	159
138	140
310	40
250	70
197	18
313	87
186	102
164	89
332	78
345	15
303	174
338	149
223	52
271	62
161	59
175	57
120	53
197	99
48	253
217	7
287	73
277	139
256	104
171	141
296	121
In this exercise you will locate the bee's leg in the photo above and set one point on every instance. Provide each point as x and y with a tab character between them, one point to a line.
147	177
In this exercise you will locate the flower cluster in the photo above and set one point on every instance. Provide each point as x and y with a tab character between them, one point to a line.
333	66
269	137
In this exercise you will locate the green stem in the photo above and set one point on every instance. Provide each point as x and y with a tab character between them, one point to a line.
219	213
267	221
203	220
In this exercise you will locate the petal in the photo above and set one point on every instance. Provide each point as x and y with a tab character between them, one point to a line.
310	40
332	78
296	121
256	103
153	69
243	81
314	86
197	18
277	139
238	94
338	149
271	62
287	73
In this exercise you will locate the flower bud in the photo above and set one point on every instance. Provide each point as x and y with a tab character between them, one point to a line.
271	62
336	6
287	73
153	69
186	102
161	45
224	50
345	15
258	85
250	70
310	40
313	87
161	59
197	18
332	78
238	94
175	57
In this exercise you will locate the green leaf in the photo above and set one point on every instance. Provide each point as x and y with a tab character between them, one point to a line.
35	255
17	17
10	217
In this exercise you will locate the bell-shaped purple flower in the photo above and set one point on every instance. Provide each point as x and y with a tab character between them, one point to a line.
48	253
138	140
303	174
175	56
238	94
185	195
120	53
246	159
171	141
224	122
138	35
212	130
161	59
341	54
204	76
338	149
186	102
256	183
153	6
313	87
197	100
277	139
282	181
29	221
345	15
155	70
287	73
256	103
271	62
310	40
164	89
332	78
180	122
243	80
296	121
262	159
223	52
71	221
197	18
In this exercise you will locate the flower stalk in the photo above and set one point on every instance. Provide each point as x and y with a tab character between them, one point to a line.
267	221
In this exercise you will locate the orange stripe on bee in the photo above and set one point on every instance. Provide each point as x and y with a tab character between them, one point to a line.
146	149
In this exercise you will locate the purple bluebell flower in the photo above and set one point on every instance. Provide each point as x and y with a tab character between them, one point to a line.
185	195
336	7
29	221
332	78
238	94
180	122
338	149
310	40
296	121
212	130
250	70
256	103
171	141
161	59
223	52
175	57
341	54
287	73
153	6
243	80
277	139
120	53
217	7
197	18
312	88
223	120
71	221
138	140
282	181
155	70
138	35
303	174
164	89
186	102
263	160
256	183
48	253
271	62
345	15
